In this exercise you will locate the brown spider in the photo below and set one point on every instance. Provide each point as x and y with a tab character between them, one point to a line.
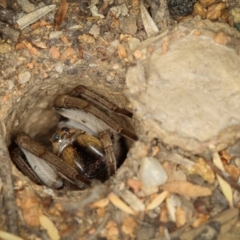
88	146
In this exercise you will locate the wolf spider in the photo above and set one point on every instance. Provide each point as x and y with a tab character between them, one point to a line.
88	146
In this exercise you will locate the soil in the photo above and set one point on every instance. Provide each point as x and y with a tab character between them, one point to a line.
104	53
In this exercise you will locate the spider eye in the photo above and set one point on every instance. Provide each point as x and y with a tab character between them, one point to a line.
65	129
56	137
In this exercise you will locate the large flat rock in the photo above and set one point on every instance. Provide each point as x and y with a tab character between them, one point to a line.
185	86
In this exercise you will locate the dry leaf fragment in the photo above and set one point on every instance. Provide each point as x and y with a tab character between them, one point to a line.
47	224
187	189
157	201
202	218
32	50
100	204
117	202
215	11
68	53
40	44
65	39
54	52
38	24
61	13
226	188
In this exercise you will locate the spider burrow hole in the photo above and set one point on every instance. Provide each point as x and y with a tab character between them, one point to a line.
34	115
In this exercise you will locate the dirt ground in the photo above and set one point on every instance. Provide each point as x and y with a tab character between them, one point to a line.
168	187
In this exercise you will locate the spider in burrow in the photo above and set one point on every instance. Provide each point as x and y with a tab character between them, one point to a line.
89	145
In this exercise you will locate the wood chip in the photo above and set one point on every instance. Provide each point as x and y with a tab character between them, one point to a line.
47	224
187	189
34	16
9	236
100	204
117	202
157	201
61	13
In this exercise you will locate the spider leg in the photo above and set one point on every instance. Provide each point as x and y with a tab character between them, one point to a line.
22	164
82	91
37	150
67	105
110	156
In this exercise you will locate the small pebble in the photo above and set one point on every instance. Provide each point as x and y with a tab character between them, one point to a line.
26	6
129	25
152	174
55	34
5	47
95	30
10	85
24	77
180	7
59	67
133	43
